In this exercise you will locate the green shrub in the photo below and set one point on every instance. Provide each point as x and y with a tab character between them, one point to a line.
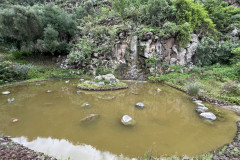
232	88
38	28
10	72
156	12
193	89
209	52
194	14
205	52
222	15
101	70
169	29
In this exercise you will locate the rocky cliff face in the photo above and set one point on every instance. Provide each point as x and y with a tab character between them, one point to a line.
136	58
235	3
130	55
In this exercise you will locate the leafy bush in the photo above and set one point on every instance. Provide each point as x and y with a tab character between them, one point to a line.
76	56
156	12
231	88
169	29
193	13
40	28
50	39
209	52
193	89
86	8
221	14
101	70
10	72
205	52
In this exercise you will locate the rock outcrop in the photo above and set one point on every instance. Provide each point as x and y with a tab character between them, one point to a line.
130	56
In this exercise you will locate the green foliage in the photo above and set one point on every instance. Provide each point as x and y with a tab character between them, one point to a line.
19	25
169	29
205	52
222	15
50	38
236	57
209	52
10	72
156	12
194	14
231	88
184	34
101	70
40	28
86	8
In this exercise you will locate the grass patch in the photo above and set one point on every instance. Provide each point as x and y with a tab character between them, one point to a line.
217	81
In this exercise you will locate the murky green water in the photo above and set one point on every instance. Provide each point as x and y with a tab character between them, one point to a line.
50	122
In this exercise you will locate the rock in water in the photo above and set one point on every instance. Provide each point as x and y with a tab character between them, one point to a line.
90	118
78	92
128	121
201	109
15	120
208	116
159	90
67	81
140	105
10	100
5	92
85	105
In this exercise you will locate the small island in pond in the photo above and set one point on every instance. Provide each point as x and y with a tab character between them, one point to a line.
103	83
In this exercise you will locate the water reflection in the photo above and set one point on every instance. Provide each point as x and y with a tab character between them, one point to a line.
63	149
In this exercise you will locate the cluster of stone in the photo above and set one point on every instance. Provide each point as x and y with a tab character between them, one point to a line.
202	110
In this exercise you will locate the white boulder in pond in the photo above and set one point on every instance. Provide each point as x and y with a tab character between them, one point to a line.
201	109
208	116
159	90
67	81
5	92
140	105
90	118
128	121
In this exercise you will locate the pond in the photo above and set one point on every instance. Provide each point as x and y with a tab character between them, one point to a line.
51	122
